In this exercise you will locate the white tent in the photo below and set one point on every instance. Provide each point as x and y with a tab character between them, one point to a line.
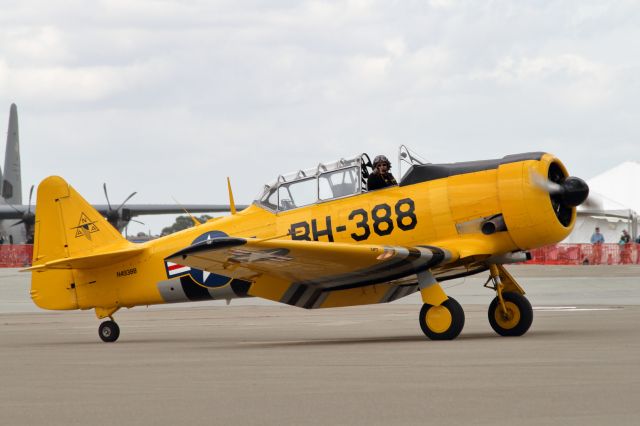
618	192
619	186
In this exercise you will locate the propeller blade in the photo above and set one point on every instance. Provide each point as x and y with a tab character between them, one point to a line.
17	223
30	195
137	221
104	186
125	201
545	184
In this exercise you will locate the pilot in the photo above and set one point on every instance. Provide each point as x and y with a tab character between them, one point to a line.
380	177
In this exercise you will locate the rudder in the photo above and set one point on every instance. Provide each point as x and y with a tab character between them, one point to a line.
67	225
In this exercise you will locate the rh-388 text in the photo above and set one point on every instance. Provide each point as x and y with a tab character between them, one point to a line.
383	219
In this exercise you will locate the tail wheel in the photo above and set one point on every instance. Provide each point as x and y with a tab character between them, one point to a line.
444	322
109	331
518	316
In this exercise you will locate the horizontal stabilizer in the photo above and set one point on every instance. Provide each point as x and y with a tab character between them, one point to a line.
89	261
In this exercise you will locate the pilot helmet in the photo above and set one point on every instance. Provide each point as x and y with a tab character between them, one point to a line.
381	159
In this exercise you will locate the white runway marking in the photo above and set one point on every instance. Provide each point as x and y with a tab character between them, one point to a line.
572	309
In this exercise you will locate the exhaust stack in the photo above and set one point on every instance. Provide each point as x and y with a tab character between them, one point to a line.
493	224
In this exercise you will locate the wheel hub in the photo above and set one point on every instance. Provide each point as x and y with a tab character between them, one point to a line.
438	319
510	318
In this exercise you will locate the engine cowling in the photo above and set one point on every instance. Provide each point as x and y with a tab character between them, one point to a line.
536	215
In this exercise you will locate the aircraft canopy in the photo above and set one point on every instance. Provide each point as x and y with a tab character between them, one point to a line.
325	182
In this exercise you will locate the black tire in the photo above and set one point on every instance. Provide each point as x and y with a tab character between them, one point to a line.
448	330
519	316
109	331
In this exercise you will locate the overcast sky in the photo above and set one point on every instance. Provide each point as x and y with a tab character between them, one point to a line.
167	98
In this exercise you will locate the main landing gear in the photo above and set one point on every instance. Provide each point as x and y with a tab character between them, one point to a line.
442	317
108	330
442	322
510	313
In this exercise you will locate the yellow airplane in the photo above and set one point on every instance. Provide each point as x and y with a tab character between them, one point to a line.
318	239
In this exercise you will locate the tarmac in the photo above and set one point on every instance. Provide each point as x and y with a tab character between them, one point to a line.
256	362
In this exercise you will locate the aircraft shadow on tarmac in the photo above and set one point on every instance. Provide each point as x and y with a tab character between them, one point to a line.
212	343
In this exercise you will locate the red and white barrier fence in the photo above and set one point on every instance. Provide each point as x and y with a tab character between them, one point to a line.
15	255
19	256
587	254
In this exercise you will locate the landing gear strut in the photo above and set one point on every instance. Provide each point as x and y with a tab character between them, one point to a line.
510	313
109	331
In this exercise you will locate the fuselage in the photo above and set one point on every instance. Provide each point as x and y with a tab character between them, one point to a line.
428	209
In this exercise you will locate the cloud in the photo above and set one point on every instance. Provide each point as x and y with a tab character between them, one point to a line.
567	78
58	84
34	44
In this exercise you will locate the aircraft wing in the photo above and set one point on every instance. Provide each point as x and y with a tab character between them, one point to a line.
147	209
15	212
320	265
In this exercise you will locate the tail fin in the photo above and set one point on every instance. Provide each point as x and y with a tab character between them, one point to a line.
69	233
12	182
68	226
